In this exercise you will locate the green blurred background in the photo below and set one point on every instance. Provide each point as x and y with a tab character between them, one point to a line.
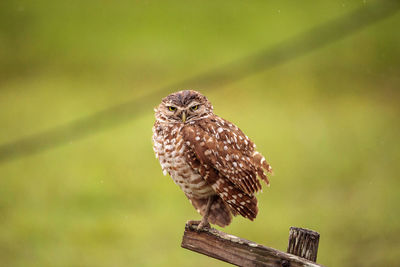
328	122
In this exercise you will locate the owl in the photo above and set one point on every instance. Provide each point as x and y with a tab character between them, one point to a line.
214	163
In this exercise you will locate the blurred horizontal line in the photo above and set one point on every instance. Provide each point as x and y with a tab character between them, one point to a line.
289	49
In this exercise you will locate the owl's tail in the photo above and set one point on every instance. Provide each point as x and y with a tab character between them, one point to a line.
220	213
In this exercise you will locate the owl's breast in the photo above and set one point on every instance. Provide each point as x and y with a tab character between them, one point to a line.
172	152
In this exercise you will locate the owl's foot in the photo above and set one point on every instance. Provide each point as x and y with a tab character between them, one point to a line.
198	225
203	224
193	224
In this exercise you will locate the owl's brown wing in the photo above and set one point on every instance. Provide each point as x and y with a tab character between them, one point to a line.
220	145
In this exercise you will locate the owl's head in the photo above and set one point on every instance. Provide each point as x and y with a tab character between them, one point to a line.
183	106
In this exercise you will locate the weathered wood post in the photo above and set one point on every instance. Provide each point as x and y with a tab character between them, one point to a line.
302	248
303	243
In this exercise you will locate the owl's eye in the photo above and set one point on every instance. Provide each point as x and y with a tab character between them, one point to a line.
194	108
171	108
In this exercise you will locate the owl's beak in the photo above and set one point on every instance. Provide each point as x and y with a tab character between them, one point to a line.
183	116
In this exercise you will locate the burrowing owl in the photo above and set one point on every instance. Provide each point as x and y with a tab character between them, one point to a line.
212	161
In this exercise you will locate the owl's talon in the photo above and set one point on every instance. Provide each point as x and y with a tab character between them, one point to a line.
193	224
204	225
199	225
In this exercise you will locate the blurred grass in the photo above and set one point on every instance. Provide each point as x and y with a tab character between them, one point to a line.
327	122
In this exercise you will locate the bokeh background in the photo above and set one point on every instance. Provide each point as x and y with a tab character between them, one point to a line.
79	184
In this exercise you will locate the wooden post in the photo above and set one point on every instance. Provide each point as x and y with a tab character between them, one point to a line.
238	251
303	243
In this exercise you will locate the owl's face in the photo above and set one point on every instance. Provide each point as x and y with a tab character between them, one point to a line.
183	106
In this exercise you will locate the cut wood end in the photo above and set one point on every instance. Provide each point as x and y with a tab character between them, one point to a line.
304	230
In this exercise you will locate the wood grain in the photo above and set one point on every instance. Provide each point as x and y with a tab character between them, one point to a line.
303	243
